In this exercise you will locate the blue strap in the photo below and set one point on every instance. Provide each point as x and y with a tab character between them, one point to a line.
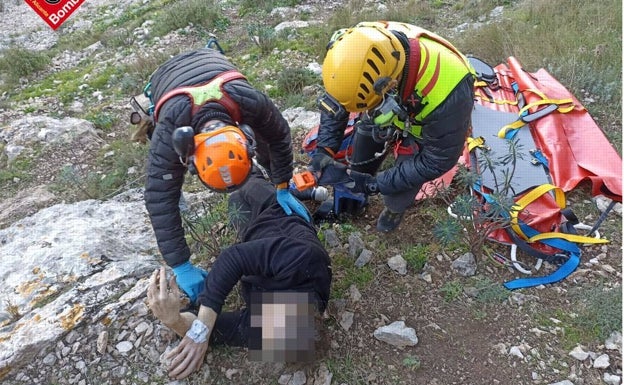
561	273
564	270
540	158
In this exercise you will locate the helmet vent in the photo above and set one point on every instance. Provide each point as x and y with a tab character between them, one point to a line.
208	161
373	66
231	155
378	54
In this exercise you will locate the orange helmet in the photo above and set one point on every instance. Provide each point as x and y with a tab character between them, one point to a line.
356	59
222	158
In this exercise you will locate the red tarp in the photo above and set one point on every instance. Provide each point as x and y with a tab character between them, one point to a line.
575	147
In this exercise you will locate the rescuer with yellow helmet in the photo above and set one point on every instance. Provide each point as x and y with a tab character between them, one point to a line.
413	91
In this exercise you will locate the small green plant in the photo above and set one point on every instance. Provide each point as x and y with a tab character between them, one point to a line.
247	6
594	313
109	178
599	310
102	120
347	370
118	37
411	362
200	13
18	170
293	80
13	310
489	291
416	256
474	219
207	227
452	290
345	274
263	36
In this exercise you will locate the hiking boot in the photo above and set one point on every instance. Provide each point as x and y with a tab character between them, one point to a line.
388	220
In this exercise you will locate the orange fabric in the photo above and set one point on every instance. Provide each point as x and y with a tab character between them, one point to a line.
574	145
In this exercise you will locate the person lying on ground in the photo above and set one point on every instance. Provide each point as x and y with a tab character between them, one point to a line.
285	274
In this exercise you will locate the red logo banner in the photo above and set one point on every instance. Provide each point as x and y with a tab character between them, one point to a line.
54	12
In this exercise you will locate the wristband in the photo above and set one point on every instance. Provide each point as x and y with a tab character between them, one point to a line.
198	332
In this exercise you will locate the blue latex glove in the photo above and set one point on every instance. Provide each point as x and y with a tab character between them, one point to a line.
289	203
190	279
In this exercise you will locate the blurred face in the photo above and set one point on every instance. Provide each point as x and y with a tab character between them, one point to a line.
282	327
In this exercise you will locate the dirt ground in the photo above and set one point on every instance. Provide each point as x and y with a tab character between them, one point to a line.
463	338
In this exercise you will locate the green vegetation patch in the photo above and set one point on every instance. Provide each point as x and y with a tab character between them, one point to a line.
416	256
345	274
17	63
593	314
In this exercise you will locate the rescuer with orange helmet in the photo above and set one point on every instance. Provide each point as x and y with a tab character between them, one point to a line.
210	120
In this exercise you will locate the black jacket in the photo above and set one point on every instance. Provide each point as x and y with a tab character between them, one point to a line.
444	132
165	173
277	252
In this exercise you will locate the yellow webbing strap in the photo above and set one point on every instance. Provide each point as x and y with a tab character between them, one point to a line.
512	126
531	196
564	106
475	142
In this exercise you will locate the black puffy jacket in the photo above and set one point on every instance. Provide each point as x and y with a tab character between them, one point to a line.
444	131
165	172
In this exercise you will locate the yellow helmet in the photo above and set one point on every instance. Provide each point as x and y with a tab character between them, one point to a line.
358	58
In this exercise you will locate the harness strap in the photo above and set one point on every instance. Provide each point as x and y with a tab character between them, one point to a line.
533	195
571	257
206	93
526	116
473	143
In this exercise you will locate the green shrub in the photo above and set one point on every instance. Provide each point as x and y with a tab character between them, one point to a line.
345	274
200	13
599	310
17	63
110	176
293	80
248	6
416	256
451	290
264	36
207	227
489	291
